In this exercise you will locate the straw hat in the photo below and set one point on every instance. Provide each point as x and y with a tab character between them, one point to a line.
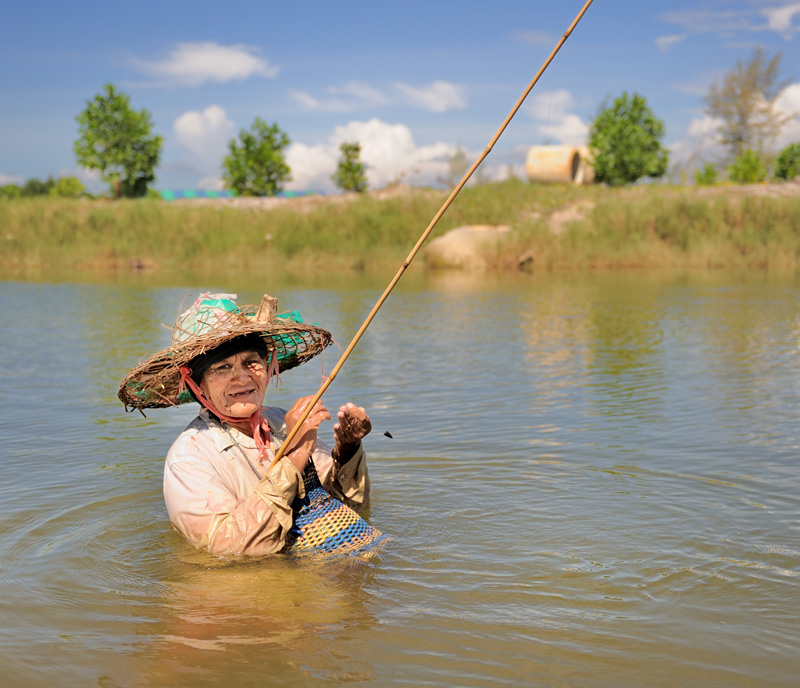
213	320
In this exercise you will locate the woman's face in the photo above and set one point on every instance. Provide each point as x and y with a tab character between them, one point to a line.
236	385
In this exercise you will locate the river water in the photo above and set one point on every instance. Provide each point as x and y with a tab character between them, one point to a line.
592	480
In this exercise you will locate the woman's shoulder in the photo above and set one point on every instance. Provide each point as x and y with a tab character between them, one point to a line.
203	434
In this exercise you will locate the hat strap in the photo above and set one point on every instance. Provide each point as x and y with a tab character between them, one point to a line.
258	424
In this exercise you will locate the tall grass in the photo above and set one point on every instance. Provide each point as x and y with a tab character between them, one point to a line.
635	227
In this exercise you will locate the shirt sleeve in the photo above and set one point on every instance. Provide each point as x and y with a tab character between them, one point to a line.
348	483
208	512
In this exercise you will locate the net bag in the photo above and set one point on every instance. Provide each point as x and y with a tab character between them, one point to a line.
325	525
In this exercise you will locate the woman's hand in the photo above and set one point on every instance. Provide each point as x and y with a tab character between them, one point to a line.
304	442
353	424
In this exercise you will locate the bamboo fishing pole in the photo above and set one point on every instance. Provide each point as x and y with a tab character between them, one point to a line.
424	236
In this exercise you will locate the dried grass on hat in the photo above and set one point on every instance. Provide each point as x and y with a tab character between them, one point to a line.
212	322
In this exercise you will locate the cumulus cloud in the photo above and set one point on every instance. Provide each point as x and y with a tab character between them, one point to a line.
439	96
345	98
204	133
571	131
211	182
712	21
788	104
388	152
552	110
194	64
664	43
780	19
550	106
729	22
700	143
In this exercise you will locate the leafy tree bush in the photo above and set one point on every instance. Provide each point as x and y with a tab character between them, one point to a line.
11	191
747	168
255	166
67	187
625	142
116	140
706	176
36	187
349	175
787	166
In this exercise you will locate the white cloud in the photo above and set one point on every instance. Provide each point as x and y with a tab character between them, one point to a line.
439	96
729	22
204	133
346	98
311	167
780	19
664	43
570	131
711	21
212	182
362	93
700	143
556	122
549	107
788	104
193	64
388	152
10	179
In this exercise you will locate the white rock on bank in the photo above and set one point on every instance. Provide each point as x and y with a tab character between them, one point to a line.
465	247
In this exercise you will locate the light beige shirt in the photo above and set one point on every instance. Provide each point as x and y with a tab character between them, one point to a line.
215	499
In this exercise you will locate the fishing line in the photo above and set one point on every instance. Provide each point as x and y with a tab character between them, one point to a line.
421	240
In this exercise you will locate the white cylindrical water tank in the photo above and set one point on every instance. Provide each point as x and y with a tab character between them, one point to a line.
554	164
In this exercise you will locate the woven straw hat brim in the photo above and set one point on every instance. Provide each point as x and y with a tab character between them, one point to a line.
156	383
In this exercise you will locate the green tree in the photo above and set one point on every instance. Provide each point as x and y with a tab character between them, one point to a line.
36	187
11	191
747	168
349	175
255	166
745	103
116	140
787	166
67	187
625	142
706	176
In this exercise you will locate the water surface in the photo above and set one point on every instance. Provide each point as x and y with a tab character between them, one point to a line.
592	481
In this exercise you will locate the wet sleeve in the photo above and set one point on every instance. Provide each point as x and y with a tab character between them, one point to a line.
209	514
348	483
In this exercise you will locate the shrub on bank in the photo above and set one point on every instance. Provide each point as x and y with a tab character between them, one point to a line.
787	166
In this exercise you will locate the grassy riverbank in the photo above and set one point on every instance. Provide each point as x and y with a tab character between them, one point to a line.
554	227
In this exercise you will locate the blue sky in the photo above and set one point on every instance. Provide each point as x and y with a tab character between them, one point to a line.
409	81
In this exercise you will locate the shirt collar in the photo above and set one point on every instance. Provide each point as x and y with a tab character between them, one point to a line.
226	436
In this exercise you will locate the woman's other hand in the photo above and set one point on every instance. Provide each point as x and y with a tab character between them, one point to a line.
353	424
